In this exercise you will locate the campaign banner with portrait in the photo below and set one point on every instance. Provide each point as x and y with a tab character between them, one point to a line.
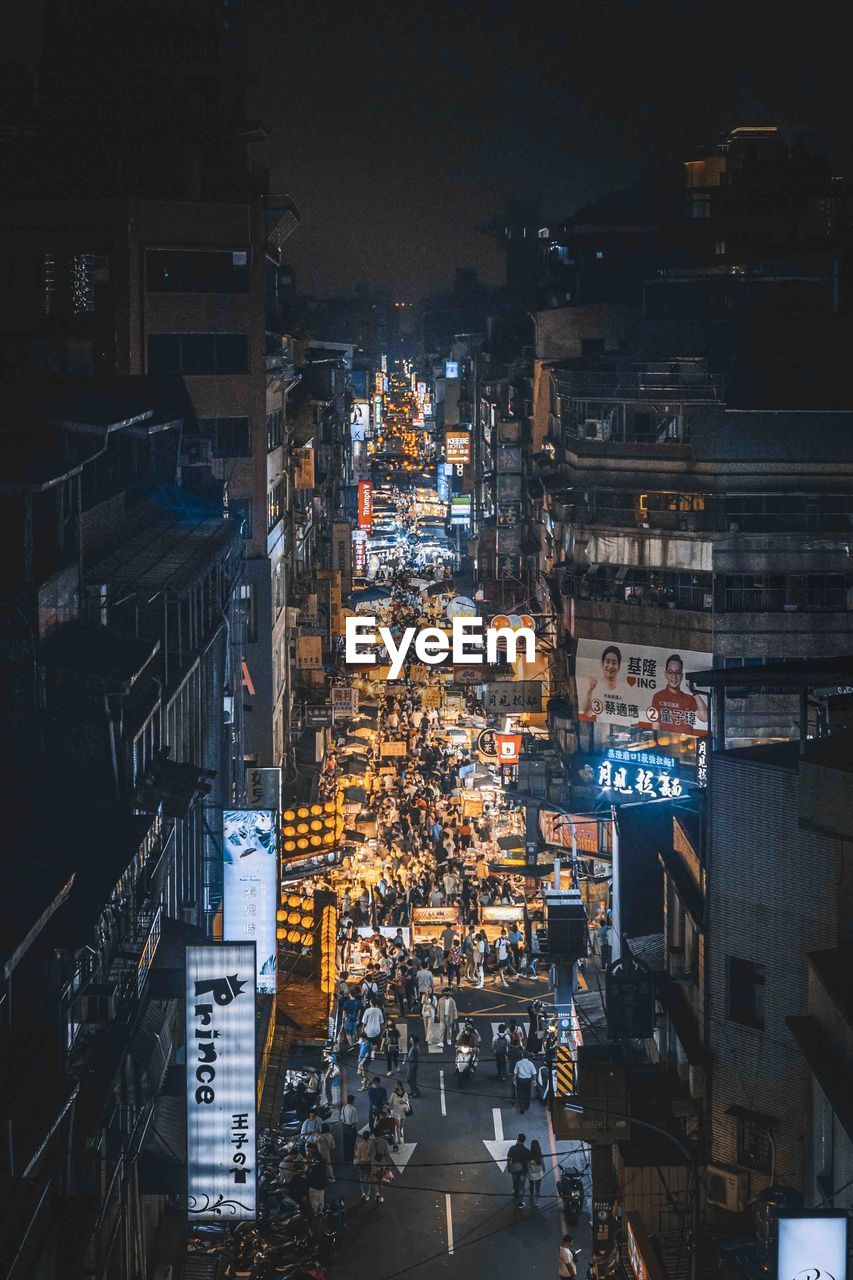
641	687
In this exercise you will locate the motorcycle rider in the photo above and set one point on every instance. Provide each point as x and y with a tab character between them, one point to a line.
467	1048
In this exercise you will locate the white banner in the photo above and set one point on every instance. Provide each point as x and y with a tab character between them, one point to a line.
634	685
221	1097
250	890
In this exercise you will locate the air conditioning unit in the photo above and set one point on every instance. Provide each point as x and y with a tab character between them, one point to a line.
726	1187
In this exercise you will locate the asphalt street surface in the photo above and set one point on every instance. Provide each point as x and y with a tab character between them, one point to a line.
449	1211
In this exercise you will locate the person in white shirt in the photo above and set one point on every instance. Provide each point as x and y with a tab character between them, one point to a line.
372	1021
568	1265
524	1075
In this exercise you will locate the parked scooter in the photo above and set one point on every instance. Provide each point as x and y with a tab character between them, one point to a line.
571	1192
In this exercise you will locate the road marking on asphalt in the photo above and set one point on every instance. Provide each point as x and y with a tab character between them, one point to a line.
403	1154
497	1147
441	1093
449	1215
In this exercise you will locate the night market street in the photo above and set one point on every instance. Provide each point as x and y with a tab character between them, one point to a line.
426	642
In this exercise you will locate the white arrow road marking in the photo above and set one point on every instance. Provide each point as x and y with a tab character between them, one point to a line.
403	1154
447	1211
441	1093
404	1039
498	1147
435	1048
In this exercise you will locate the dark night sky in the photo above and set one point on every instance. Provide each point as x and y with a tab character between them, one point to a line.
398	128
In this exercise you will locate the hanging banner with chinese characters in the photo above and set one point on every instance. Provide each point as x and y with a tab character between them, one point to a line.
344	702
512	697
309	653
221	1092
634	685
263	788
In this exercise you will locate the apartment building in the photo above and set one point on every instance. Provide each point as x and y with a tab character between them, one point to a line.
121	672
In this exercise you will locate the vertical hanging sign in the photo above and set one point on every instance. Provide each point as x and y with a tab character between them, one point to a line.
250	886
365	505
221	1098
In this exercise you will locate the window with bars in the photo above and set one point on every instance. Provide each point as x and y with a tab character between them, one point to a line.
754	1149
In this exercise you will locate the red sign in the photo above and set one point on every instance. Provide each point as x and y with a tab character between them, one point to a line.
365	504
509	747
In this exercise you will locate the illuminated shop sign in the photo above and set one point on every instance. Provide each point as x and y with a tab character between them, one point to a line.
221	1095
643	775
250	891
365	504
457	447
812	1246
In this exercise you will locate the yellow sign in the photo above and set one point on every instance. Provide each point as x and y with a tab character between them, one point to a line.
397	748
431	697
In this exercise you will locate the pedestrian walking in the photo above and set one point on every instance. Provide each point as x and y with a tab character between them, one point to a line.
315	1175
448	1017
365	1054
324	1143
349	1128
373	1020
517	1163
500	1045
454	965
391	1045
377	1097
400	1108
429	1013
381	1164
524	1075
424	981
413	1058
362	1162
535	1171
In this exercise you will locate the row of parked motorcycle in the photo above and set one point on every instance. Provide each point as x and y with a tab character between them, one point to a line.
287	1241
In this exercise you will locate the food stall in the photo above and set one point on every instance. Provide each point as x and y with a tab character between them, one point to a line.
428	922
503	916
